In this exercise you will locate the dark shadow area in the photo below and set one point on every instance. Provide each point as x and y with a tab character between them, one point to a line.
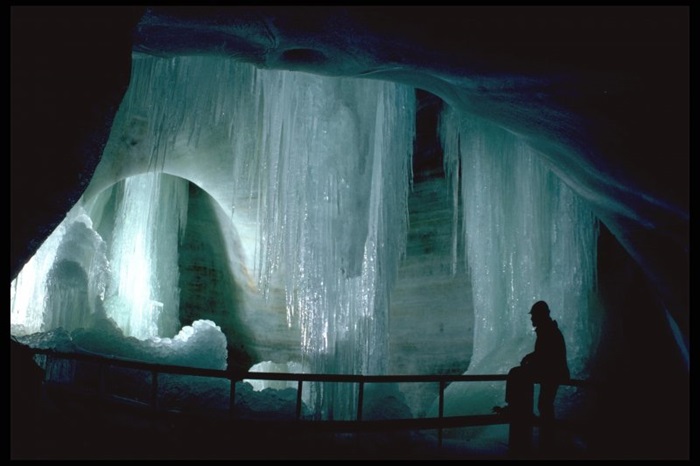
25	392
643	406
69	69
208	287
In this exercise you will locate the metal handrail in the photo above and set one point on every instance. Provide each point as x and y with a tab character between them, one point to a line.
438	422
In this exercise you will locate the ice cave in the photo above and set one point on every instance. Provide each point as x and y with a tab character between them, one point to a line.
352	190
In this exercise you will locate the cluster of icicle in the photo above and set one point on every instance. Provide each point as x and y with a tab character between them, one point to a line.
327	162
528	237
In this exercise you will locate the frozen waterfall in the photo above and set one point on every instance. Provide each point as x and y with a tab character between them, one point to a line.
528	238
143	296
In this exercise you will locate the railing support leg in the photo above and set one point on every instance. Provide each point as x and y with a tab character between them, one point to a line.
360	400
521	417
101	389
154	391
299	393
232	399
441	410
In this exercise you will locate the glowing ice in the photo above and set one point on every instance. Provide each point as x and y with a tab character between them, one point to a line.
324	162
528	237
316	172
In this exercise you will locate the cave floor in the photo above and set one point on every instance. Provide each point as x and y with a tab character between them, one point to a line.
75	428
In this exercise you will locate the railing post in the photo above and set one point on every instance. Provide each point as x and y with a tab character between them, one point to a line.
232	398
360	398
101	388
101	381
299	389
441	409
154	390
521	417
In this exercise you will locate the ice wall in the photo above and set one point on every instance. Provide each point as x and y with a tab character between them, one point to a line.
64	283
528	237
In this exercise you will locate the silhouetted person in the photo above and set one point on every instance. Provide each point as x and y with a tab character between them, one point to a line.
546	365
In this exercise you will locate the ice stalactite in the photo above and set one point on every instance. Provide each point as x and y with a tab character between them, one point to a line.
143	295
64	283
333	191
28	290
528	237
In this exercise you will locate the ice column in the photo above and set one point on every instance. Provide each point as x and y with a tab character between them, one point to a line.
333	184
528	237
28	290
143	295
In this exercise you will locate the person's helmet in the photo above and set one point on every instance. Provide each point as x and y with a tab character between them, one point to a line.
540	308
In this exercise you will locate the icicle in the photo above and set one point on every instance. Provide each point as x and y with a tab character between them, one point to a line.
64	281
333	187
143	297
528	237
317	173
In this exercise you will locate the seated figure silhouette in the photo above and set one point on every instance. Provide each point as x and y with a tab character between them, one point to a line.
546	365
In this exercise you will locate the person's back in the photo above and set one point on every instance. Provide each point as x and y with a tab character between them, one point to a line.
548	361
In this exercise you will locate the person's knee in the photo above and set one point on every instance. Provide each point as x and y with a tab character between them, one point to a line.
517	372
